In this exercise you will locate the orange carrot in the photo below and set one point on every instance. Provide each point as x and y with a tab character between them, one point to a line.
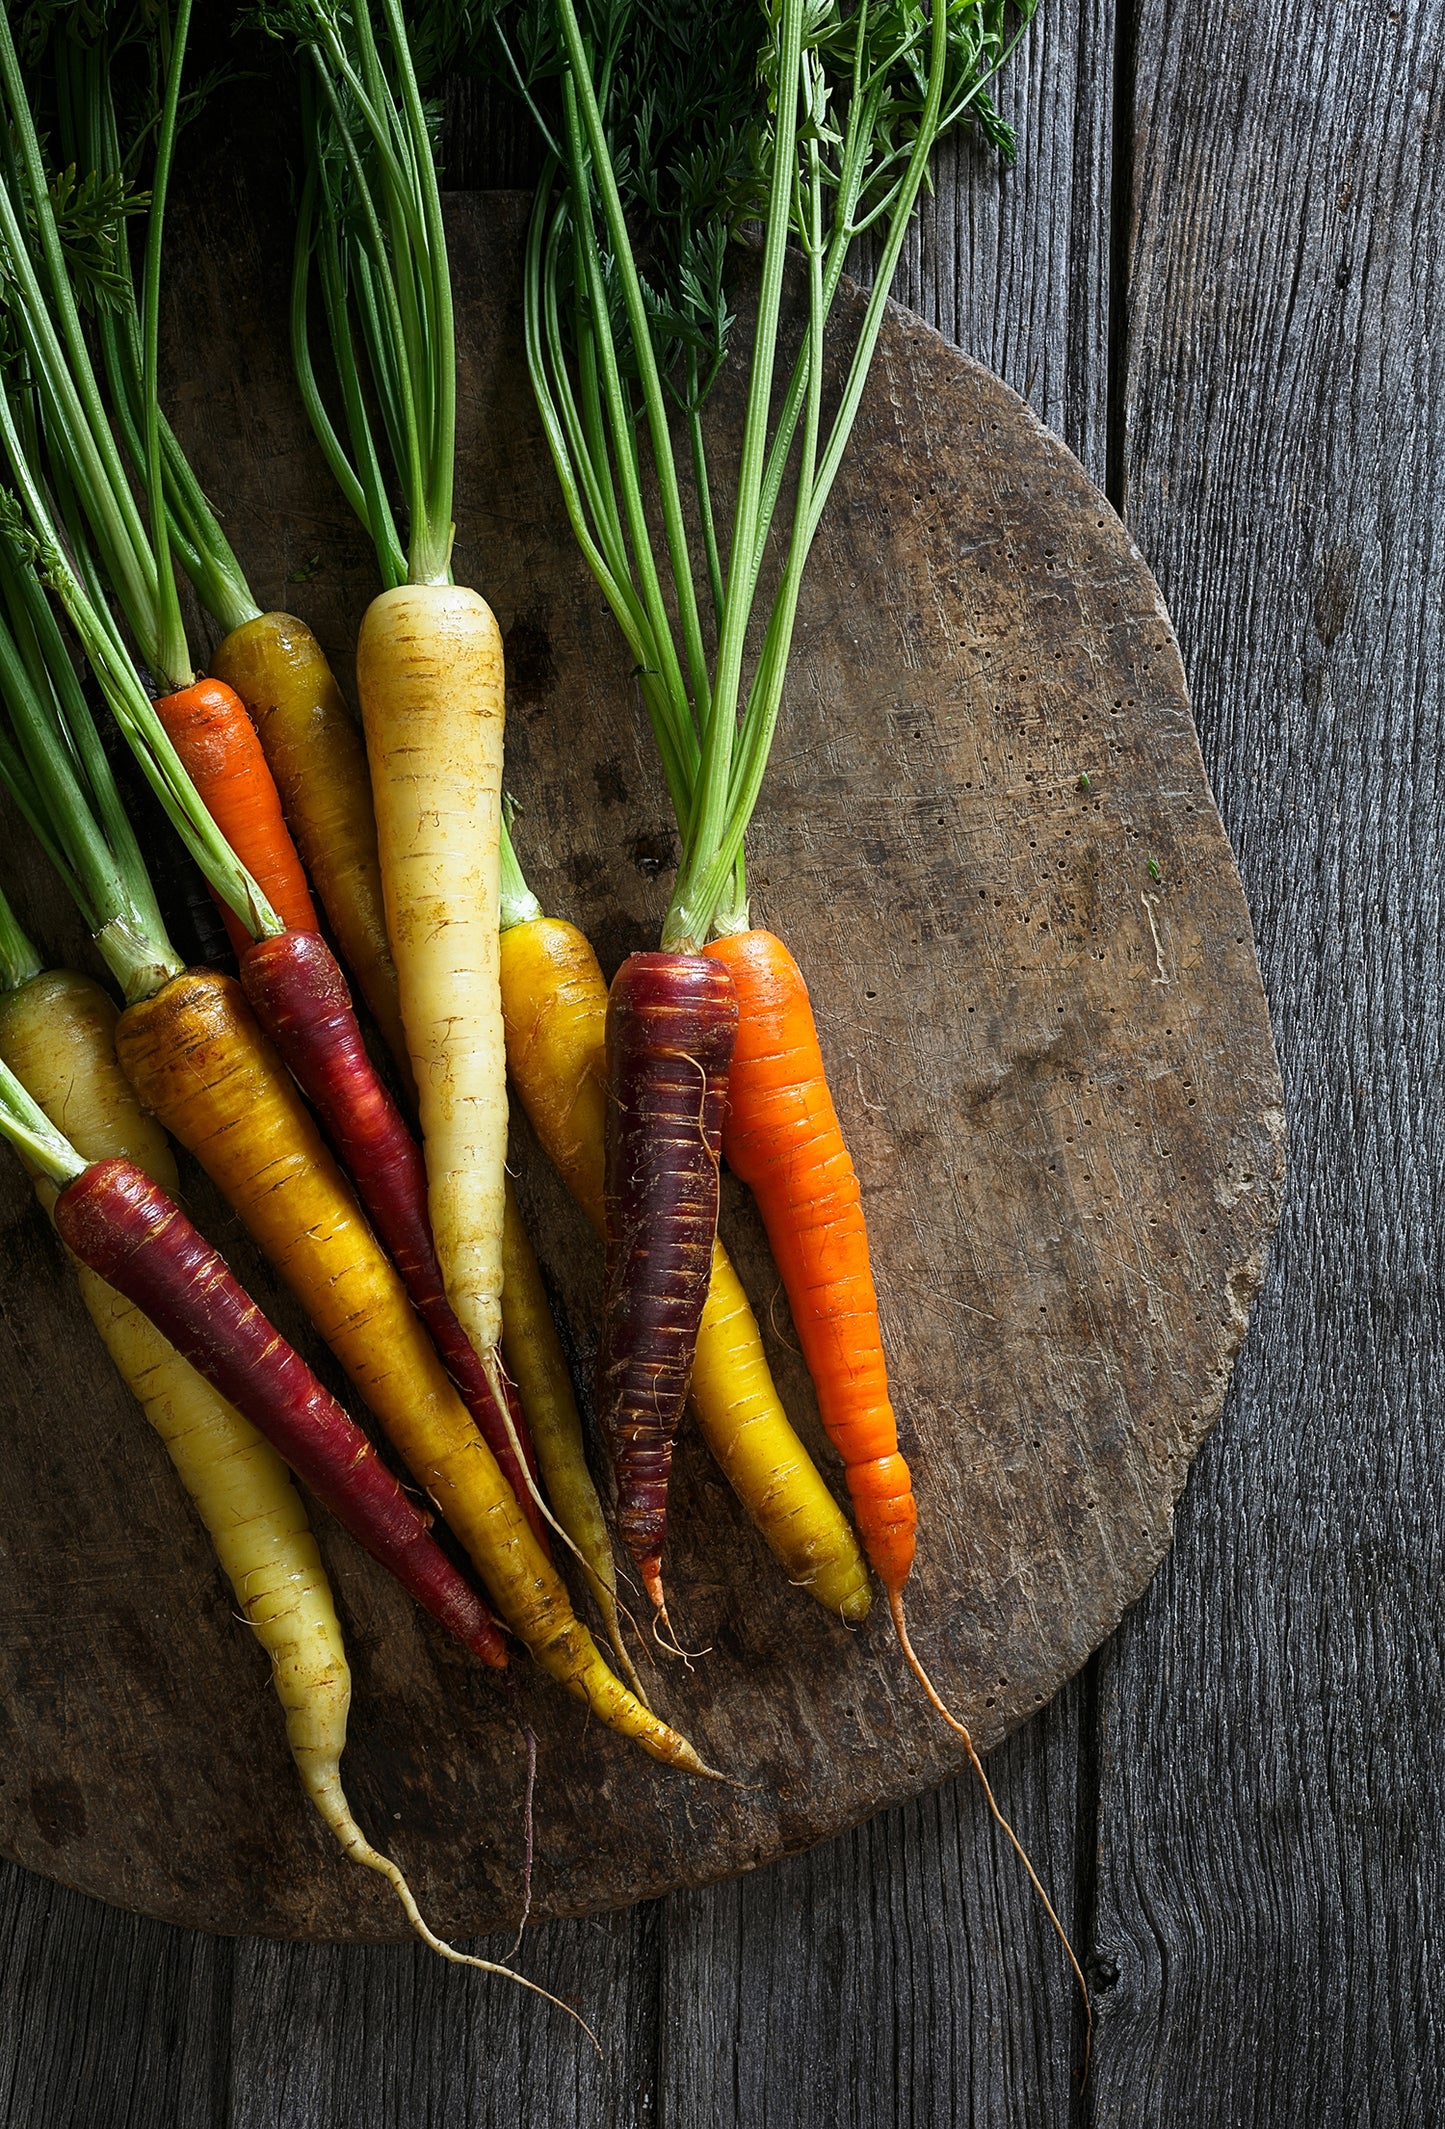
208	727
783	1139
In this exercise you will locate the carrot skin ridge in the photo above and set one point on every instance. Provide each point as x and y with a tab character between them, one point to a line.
315	752
208	727
782	1138
126	1229
671	1023
298	993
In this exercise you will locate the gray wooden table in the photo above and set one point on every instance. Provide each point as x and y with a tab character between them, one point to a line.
1218	271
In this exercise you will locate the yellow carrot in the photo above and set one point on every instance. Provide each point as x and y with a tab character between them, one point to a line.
555	1005
318	759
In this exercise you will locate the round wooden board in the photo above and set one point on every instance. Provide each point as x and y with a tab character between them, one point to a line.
1052	1058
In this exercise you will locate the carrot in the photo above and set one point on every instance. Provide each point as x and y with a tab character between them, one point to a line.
429	655
300	997
537	1364
782	1138
209	729
555	1001
316	754
671	1020
429	675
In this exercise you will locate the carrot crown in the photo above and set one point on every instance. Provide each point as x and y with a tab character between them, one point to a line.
823	130
370	230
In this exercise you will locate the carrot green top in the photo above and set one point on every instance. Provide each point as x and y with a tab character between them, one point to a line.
370	227
70	524
51	282
668	130
105	165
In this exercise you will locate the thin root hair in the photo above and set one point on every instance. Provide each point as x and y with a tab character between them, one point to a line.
895	1605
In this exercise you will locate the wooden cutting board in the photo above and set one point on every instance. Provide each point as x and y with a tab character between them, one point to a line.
988	836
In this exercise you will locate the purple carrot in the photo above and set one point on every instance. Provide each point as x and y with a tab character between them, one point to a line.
121	1224
671	1023
300	997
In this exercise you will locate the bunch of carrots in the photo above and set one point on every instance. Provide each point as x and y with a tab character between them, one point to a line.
161	793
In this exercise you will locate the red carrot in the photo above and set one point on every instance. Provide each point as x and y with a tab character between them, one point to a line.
300	997
121	1224
671	1023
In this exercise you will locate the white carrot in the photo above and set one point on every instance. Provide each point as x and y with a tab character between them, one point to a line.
429	674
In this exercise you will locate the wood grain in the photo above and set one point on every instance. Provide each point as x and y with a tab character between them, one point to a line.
989	839
1272	1873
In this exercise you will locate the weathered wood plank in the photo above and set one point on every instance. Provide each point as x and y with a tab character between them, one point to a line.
107	2021
1013	266
325	2036
903	1974
1272	1877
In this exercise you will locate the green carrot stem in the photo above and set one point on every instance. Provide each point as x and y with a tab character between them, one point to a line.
19	962
519	904
685	923
676	722
579	81
170	634
702	488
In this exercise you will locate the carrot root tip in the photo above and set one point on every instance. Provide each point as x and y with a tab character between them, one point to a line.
900	1627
